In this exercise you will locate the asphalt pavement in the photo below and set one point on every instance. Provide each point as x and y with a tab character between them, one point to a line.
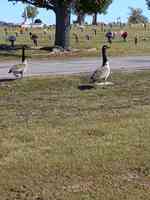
76	65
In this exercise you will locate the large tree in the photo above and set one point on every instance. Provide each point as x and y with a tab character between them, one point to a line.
136	16
91	7
103	10
62	10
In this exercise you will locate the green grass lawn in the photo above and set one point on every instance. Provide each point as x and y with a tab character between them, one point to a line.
119	47
60	142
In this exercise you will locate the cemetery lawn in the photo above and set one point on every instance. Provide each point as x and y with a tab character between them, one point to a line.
60	142
83	48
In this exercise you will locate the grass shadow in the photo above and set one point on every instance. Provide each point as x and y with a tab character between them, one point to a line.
2	80
47	48
85	87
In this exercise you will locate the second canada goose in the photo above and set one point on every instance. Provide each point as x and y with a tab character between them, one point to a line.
18	70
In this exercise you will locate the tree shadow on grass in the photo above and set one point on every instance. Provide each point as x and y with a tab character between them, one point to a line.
9	51
9	48
51	48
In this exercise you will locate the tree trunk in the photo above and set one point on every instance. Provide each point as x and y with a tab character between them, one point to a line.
62	33
94	21
80	18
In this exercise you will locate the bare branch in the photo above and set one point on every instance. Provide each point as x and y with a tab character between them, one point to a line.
48	4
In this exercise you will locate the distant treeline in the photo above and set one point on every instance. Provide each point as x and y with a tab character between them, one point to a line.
7	24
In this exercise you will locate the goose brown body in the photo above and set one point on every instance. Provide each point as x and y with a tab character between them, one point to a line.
103	72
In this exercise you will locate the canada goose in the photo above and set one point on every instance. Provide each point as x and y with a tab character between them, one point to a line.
103	72
19	69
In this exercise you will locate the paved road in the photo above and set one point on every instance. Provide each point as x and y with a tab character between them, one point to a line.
76	65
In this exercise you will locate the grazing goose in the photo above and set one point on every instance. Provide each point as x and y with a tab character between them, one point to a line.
19	69
103	72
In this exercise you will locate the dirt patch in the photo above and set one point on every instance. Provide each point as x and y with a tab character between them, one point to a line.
138	179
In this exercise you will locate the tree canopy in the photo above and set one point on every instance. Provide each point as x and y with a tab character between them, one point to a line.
148	4
93	6
88	6
136	16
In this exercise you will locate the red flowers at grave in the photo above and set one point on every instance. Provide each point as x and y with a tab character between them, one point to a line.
124	35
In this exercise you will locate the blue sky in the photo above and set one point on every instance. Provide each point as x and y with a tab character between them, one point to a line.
119	8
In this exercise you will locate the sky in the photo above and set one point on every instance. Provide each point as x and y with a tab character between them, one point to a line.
119	8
